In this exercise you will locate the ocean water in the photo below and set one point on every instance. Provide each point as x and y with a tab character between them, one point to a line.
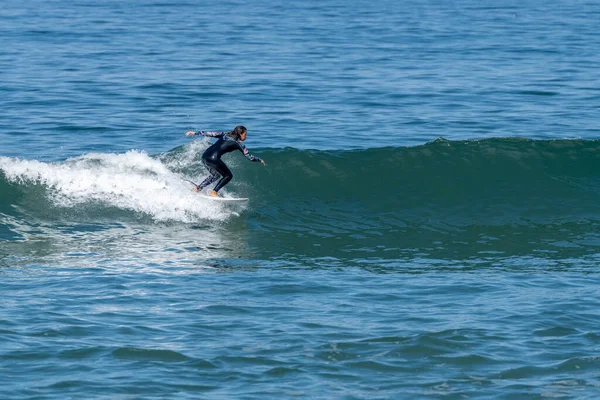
426	227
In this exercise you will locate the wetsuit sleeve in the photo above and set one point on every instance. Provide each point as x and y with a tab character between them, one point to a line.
210	134
247	154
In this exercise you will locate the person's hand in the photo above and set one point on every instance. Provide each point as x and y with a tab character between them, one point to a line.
190	133
263	162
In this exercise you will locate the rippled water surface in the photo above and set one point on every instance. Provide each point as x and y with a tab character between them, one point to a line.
425	228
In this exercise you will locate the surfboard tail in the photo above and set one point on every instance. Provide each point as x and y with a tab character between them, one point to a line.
198	188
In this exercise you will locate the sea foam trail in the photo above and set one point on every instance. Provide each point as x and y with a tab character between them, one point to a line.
131	181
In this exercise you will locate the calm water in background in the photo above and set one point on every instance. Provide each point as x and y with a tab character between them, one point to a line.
373	260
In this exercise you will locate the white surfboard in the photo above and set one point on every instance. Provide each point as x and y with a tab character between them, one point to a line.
225	199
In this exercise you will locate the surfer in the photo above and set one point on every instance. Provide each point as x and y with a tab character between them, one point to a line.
227	142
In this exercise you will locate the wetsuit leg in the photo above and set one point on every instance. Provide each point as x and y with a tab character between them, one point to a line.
226	175
214	175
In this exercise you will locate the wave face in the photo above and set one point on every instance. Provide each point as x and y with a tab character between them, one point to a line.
455	198
448	198
485	179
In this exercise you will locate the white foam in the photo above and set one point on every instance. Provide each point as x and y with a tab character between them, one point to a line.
132	181
187	155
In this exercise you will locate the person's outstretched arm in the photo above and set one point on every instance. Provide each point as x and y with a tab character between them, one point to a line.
204	133
250	156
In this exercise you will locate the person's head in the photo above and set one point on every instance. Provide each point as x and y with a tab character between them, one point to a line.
239	133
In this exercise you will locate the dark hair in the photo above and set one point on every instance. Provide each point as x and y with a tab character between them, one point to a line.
237	132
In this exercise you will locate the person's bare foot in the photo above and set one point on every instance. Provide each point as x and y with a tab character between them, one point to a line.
196	189
214	194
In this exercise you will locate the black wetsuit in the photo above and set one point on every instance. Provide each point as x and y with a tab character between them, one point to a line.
212	159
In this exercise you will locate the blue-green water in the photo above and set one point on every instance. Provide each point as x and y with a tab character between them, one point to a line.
426	226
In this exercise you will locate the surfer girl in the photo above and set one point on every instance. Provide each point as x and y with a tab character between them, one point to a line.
227	142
